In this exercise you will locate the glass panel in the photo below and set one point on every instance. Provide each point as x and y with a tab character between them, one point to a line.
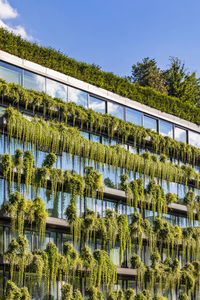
116	110
150	123
97	105
194	139
133	116
180	135
85	134
56	89
34	82
105	141
10	73
2	111
77	96
166	128
95	138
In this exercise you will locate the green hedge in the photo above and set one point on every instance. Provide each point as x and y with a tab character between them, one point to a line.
53	59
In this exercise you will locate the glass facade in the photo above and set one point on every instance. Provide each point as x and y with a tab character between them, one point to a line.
134	116
56	89
194	139
34	82
97	105
10	73
59	90
115	110
180	134
150	123
166	128
57	202
77	96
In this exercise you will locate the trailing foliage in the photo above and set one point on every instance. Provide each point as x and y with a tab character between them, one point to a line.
58	138
13	292
102	123
92	74
20	210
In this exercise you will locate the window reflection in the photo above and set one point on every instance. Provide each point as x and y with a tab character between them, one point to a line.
166	128
77	96
56	89
97	105
34	82
194	139
95	138
150	123
85	134
116	110
133	116
180	135
10	73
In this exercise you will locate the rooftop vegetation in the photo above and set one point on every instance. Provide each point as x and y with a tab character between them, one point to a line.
92	74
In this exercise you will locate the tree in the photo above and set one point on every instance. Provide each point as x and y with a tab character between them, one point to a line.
182	84
146	73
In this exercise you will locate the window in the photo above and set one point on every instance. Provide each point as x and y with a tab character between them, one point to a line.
10	73
34	82
116	110
2	111
85	134
180	135
97	105
134	116
194	139
150	123
56	89
77	96
166	128
95	138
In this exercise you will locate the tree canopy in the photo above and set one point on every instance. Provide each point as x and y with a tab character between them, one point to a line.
175	80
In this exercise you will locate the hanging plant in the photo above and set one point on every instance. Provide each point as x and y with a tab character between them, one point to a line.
72	261
189	200
7	166
74	221
93	293
77	295
49	160
18	256
16	208
124	236
125	186
105	269
137	264
58	137
129	294
89	225
40	216
111	225
137	230
28	168
18	162
13	292
93	182
74	184
67	292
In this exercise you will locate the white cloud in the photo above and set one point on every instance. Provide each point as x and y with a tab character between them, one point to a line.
8	12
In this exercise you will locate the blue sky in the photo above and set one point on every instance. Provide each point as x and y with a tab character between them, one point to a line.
113	34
